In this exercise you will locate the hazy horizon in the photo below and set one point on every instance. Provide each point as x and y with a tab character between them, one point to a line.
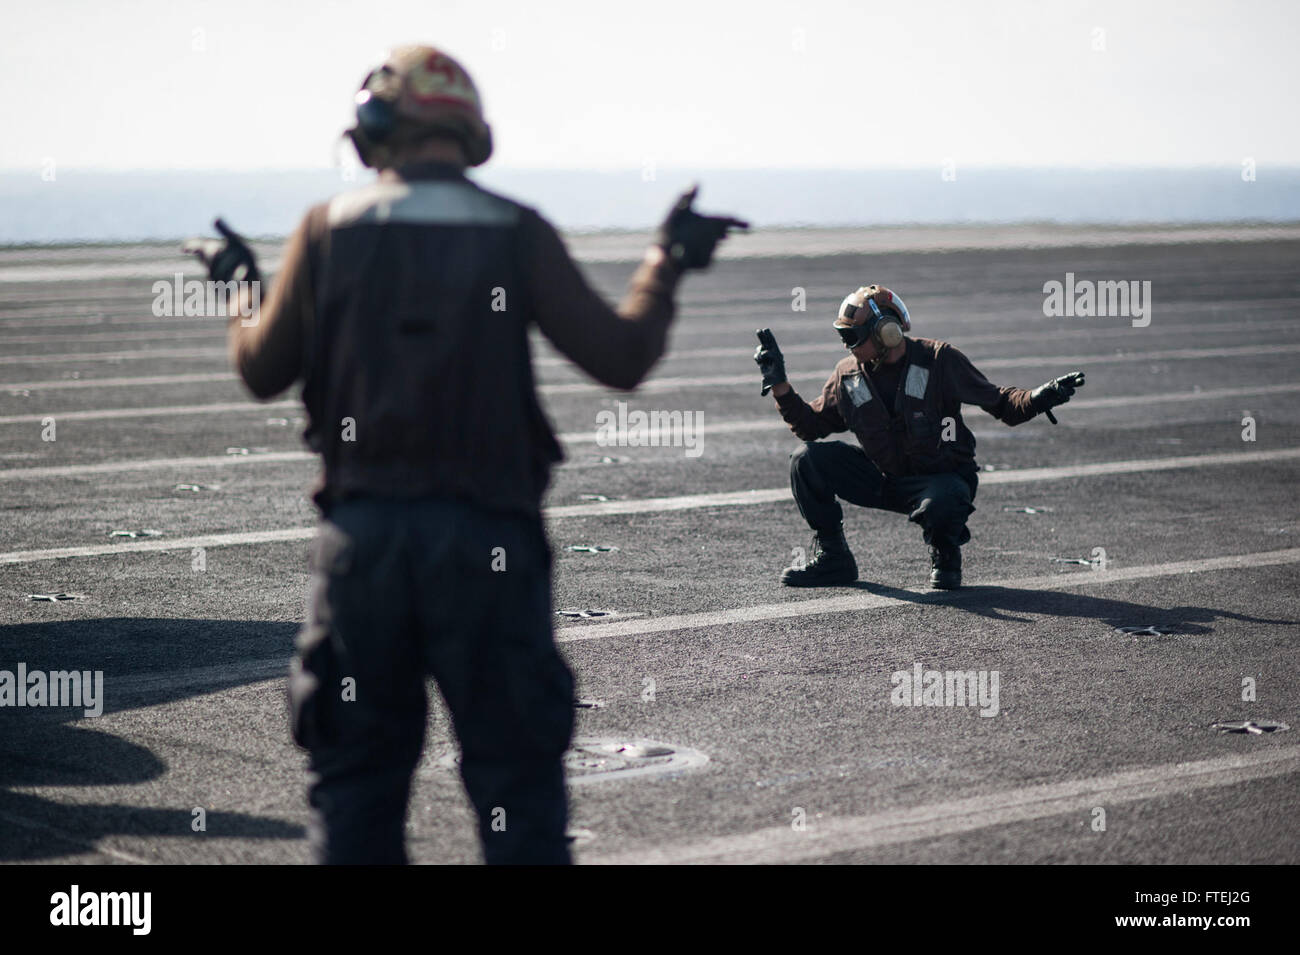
97	206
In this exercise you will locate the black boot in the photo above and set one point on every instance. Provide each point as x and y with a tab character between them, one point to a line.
945	563
832	564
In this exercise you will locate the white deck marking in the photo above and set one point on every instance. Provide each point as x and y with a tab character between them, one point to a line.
216	349
1029	361
721	427
148	464
216	335
136	382
156	544
954	336
109	414
1025	475
596	509
859	600
713	381
146	353
835	835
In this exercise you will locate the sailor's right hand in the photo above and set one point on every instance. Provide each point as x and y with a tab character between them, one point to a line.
770	360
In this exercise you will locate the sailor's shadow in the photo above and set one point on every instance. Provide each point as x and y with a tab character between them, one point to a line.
1006	603
33	828
144	662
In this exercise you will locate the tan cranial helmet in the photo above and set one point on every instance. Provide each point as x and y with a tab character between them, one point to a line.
873	311
418	92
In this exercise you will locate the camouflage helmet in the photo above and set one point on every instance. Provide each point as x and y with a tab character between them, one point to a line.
418	92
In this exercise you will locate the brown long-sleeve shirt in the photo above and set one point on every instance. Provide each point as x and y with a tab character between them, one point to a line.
897	412
403	308
617	348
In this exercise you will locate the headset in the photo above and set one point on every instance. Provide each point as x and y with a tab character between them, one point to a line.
376	117
884	328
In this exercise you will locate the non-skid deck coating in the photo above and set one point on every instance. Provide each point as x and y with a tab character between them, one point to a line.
786	695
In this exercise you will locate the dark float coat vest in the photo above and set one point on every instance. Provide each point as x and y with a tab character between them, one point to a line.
911	440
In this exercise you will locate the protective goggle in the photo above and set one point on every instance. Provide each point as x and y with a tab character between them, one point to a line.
855	335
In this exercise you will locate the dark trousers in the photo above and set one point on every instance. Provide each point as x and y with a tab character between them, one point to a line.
401	589
822	471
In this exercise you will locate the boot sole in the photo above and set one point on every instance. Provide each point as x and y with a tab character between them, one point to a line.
838	582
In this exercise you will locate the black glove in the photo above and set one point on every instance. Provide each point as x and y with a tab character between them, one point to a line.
690	238
228	260
770	360
1056	392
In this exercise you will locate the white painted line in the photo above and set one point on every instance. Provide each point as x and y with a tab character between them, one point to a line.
137	382
1133	467
768	495
653	505
239	672
215	338
157	544
148	464
216	335
858	600
659	505
773	421
581	437
715	381
109	414
1204	394
1032	333
1034	361
833	836
652	436
1174	354
596	509
150	270
146	353
704	321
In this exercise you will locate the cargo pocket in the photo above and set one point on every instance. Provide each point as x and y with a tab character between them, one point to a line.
331	552
925	451
542	691
536	677
315	675
313	682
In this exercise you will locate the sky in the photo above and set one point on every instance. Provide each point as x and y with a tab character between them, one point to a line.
261	84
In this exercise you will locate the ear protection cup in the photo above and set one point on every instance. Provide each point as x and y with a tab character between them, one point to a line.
886	331
375	117
885	328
